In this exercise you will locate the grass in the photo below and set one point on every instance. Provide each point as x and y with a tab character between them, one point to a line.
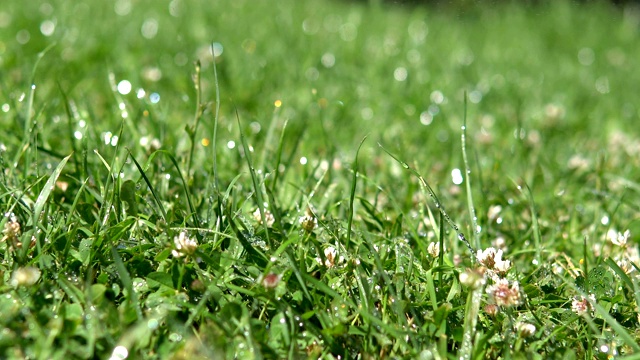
313	194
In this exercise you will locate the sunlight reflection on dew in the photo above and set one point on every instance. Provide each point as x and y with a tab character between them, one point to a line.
149	28
348	32
586	56
303	160
328	60
366	113
456	176
217	49
231	144
6	107
124	87
119	353
47	27
475	96
23	36
140	93
122	7
154	98
426	118
414	56
437	97
602	85
77	135
418	31
400	74
312	74
310	26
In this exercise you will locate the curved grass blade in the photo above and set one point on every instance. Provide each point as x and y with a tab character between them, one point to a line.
214	140
254	180
433	196
46	191
163	213
467	171
352	195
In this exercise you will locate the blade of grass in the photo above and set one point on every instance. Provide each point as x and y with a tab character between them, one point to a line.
434	197
214	140
126	280
200	108
163	213
352	195
467	171
40	203
535	223
257	187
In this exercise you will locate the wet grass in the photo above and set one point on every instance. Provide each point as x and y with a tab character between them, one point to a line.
315	194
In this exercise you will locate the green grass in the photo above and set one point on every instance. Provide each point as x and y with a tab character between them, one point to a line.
288	203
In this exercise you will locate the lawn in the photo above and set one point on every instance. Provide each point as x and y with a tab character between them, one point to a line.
319	179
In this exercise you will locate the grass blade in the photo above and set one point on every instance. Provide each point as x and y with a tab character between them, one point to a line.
434	197
256	184
352	195
467	176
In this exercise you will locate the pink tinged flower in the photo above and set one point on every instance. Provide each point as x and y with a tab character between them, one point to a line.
581	305
271	280
492	309
502	293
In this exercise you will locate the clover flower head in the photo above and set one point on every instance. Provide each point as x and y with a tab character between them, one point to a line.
26	276
580	305
492	259
525	329
271	280
502	293
308	221
621	239
269	219
332	258
184	246
434	249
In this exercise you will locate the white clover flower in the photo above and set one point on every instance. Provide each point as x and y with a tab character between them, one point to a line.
621	239
488	257
26	276
525	329
184	246
330	254
268	217
308	221
493	212
502	293
434	249
502	266
11	230
581	305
